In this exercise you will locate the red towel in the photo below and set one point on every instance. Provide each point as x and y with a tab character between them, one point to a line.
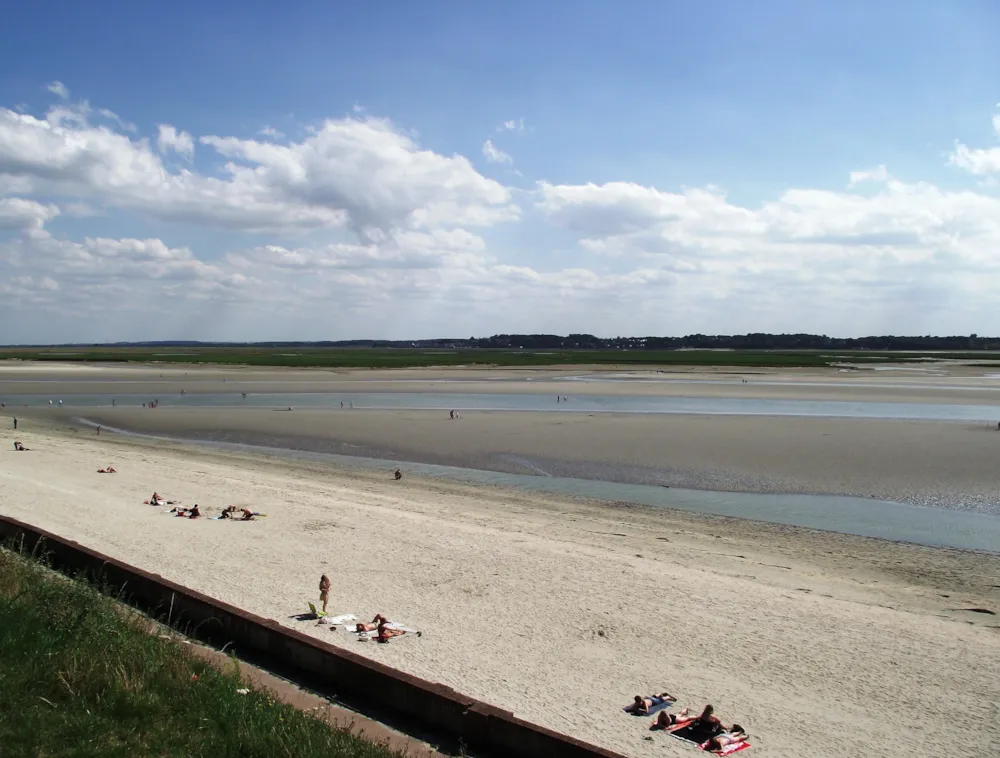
728	749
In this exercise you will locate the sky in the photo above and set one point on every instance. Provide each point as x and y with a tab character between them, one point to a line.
399	170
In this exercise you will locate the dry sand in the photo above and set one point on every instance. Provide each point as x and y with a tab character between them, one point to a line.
819	644
920	462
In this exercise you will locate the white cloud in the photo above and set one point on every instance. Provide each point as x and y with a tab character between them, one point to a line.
979	161
514	125
494	154
358	172
271	132
21	214
170	139
59	89
358	230
877	174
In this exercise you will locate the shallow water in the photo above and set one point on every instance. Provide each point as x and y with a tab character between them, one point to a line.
849	515
528	402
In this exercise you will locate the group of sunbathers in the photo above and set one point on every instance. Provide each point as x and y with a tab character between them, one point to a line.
229	512
705	729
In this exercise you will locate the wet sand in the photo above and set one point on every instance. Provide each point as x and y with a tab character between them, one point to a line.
947	464
560	609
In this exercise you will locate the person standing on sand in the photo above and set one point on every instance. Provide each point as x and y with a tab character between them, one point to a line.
98	430
324	590
15	424
398	475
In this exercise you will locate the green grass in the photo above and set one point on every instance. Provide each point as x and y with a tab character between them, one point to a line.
80	678
305	357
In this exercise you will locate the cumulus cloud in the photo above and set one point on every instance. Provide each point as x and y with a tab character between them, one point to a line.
357	172
980	161
21	214
357	230
170	139
494	154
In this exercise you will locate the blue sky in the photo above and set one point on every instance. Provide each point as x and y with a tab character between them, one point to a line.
646	101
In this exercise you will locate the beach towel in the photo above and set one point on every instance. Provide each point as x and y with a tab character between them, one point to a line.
316	611
345	618
728	749
695	732
658	705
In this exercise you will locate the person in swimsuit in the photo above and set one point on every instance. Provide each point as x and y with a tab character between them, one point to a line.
732	736
19	446
642	704
665	720
108	470
385	633
228	511
379	619
324	590
247	514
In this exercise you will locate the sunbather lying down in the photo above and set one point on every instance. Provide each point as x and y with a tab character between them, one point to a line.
665	720
193	512
20	447
732	736
642	704
108	470
706	721
382	626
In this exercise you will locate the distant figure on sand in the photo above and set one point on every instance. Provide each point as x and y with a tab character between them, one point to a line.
398	475
15	425
108	470
98	429
324	590
228	511
342	405
19	447
643	704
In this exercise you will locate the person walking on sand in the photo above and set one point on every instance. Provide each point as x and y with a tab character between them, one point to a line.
324	590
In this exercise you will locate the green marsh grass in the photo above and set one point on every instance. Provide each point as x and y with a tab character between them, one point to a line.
80	677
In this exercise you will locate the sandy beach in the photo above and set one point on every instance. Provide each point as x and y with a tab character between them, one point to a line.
562	610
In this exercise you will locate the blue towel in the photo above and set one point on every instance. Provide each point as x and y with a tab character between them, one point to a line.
658	705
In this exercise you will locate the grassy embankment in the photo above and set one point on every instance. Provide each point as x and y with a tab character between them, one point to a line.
411	358
80	678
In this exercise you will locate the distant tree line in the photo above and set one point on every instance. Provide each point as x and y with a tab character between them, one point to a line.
755	341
